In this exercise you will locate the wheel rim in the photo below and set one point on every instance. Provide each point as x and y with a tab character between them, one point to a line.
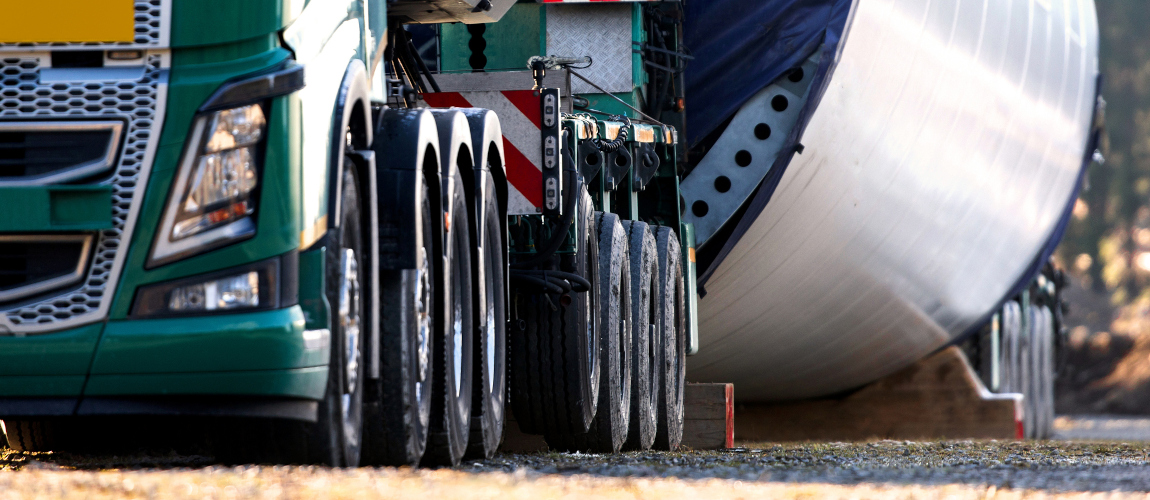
592	339
457	327
350	319
423	302
489	324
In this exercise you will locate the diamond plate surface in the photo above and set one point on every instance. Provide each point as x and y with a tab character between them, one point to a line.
149	21
22	96
600	31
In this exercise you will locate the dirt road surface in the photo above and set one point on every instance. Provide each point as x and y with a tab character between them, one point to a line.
881	469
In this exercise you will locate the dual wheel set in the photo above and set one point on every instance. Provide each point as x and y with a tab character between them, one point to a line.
1018	353
600	370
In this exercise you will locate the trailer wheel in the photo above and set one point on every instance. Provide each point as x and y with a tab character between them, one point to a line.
554	358
612	418
490	368
672	360
452	389
396	424
1042	392
645	320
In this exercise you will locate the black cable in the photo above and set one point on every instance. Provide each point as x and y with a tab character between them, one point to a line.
552	276
620	138
541	283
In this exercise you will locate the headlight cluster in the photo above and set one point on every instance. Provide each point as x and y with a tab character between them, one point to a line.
231	292
267	284
213	198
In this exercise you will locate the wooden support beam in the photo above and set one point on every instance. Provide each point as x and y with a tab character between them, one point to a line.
937	397
709	416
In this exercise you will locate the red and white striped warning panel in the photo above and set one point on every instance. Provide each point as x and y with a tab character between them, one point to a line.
519	116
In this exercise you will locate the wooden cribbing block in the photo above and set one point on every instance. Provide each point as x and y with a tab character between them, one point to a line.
938	397
709	416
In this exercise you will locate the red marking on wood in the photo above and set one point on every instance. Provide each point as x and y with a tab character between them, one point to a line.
527	101
730	443
446	100
522	174
1019	426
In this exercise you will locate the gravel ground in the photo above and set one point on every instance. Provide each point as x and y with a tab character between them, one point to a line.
882	469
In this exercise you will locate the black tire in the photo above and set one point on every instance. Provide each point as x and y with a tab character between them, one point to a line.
452	389
645	320
30	435
672	363
335	439
612	419
554	365
490	374
348	276
399	413
1042	352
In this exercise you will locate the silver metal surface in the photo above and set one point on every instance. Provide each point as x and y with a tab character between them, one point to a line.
719	184
115	132
349	321
30	289
567	29
140	104
945	149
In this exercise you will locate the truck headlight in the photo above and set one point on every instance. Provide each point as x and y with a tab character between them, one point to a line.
267	284
213	197
229	292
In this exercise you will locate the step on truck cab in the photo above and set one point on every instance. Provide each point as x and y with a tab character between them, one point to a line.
284	231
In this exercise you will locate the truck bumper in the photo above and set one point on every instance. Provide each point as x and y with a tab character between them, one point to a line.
249	364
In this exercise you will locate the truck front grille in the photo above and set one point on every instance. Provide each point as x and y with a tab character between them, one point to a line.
134	105
38	264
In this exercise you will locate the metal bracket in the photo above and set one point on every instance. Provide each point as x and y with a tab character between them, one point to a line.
590	158
618	164
646	165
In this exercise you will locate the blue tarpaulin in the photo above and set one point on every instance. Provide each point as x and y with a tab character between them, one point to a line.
741	46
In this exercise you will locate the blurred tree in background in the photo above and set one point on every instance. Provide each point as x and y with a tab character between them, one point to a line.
1108	243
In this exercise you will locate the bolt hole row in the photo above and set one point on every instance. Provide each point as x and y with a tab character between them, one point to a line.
743	158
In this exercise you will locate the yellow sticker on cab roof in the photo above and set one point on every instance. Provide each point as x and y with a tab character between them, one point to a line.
67	21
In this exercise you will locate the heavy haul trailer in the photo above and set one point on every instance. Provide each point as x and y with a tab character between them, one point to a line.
258	220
